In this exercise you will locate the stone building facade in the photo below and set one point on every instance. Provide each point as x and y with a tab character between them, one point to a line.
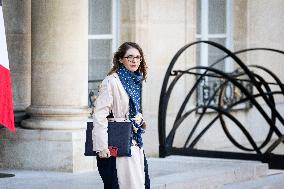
59	51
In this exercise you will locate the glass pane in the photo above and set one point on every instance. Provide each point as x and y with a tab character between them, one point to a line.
217	16
198	51
207	89
100	17
214	54
99	58
198	16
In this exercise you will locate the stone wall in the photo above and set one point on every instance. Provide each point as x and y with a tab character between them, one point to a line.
163	27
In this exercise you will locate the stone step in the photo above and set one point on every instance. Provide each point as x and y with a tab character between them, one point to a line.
202	173
174	172
268	182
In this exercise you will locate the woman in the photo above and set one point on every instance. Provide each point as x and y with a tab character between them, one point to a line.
120	93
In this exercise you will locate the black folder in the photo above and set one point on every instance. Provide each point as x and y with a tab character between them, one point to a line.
119	139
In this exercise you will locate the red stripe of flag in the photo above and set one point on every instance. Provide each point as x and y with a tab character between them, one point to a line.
6	100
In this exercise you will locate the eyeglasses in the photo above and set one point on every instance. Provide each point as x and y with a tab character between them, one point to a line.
131	58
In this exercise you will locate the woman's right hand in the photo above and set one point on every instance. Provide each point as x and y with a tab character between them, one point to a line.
104	153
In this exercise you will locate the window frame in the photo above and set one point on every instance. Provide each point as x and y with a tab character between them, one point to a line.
113	36
204	36
204	48
115	30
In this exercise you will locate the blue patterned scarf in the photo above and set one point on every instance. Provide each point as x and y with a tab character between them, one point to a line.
132	83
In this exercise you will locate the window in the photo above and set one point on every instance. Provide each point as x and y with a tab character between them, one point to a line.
102	40
213	23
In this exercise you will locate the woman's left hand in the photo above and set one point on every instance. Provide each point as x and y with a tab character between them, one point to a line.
139	119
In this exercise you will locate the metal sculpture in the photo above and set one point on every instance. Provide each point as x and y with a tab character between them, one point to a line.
243	80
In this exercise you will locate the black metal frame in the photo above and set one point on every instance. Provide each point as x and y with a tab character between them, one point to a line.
254	80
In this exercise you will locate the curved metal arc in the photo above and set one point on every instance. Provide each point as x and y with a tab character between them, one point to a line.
183	106
190	93
166	100
227	51
171	86
255	96
272	118
247	50
202	114
272	107
257	105
278	81
183	117
163	110
224	126
207	127
177	124
241	101
162	102
198	137
187	98
250	139
249	73
170	137
173	62
177	121
229	54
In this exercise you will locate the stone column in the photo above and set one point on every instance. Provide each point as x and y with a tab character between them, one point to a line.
59	65
17	16
55	137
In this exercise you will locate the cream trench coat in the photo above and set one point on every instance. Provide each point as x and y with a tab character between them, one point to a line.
112	96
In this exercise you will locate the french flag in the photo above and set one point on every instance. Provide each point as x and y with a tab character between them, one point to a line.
6	100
